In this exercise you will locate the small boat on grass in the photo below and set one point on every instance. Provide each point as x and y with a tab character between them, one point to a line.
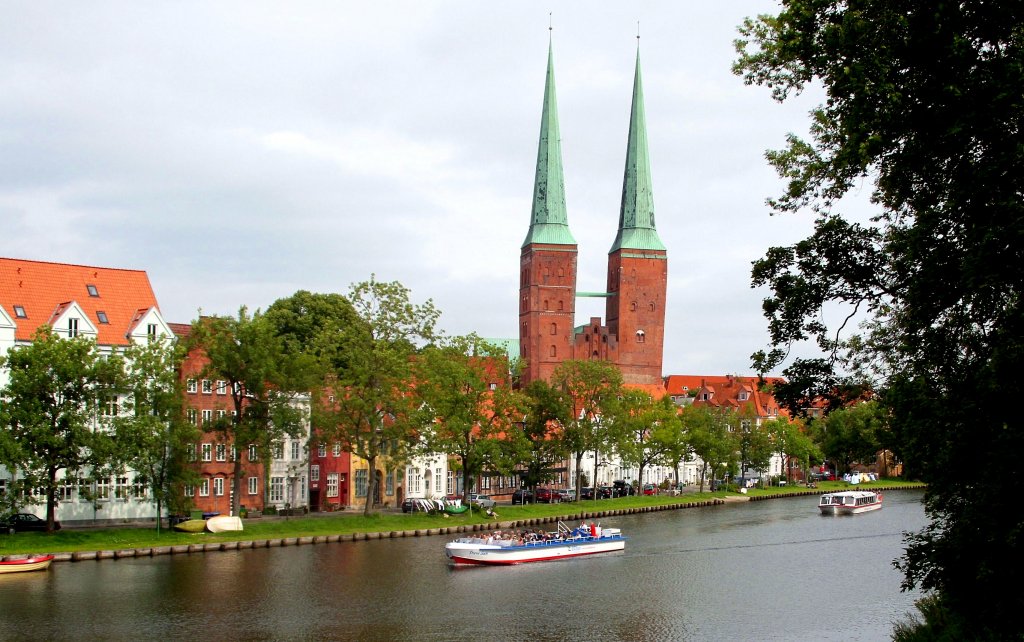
850	502
191	526
223	523
34	563
515	547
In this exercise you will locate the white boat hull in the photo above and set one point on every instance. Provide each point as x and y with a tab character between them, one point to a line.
849	502
222	523
477	551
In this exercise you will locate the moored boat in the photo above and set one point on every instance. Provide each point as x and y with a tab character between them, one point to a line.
519	548
191	526
850	502
34	563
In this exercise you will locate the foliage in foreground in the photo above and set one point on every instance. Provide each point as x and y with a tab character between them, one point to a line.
924	105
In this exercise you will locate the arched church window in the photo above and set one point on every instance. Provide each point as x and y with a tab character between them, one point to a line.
545	304
554	328
640	336
632	306
560	306
554	351
652	306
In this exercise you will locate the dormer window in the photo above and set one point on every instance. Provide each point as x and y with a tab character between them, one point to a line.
19	312
102	316
92	290
72	327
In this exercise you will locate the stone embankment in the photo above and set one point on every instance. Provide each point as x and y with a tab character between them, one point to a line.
812	491
80	556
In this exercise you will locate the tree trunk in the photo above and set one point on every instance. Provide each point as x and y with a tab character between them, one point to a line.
579	475
51	505
371	485
236	483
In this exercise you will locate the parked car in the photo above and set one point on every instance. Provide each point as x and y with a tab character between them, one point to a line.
604	492
24	522
567	495
522	496
483	501
412	504
622	489
650	489
547	496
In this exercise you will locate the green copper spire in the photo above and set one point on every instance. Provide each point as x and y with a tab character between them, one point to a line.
548	220
636	216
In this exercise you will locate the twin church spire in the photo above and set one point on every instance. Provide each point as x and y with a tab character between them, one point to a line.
549	222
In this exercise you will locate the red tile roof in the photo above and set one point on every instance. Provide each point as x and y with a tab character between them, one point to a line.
44	289
678	385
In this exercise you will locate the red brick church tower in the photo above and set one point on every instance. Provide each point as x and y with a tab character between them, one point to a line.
633	337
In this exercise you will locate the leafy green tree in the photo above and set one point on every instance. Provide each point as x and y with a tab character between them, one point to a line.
847	436
57	408
922	104
469	408
247	354
645	429
708	432
791	443
753	439
591	390
313	328
366	403
547	414
150	431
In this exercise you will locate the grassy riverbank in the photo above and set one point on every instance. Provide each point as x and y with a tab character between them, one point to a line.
72	540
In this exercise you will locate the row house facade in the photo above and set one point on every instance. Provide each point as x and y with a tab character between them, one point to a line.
284	484
115	307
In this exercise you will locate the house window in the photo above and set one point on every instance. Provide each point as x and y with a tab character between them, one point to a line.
277	489
222	452
278	450
108	405
19	312
190	385
222	387
190	491
332	484
192	415
207	452
207	417
234	453
254	485
92	290
207	387
218	486
204	488
296	450
485	482
302	487
451	483
361	478
437	480
336	450
72	327
101	316
139	488
190	452
321	450
253	454
103	488
314	473
121	488
151	331
389	483
65	491
220	414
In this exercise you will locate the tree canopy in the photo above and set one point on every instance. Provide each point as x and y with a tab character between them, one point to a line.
923	103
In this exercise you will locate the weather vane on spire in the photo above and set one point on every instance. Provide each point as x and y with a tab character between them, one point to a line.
637	32
549	21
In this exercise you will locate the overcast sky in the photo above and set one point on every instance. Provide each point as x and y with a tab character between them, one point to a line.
239	152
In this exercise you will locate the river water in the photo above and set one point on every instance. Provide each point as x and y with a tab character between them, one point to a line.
771	570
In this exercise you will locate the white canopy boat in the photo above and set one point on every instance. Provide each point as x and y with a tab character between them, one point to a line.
850	502
511	548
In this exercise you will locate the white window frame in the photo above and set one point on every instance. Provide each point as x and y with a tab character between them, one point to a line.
204	487
254	485
314	472
218	486
207	387
191	386
222	452
207	451
332	484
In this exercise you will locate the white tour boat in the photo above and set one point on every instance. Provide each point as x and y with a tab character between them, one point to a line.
519	548
850	502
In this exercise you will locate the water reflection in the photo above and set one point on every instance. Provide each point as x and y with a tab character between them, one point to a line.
758	571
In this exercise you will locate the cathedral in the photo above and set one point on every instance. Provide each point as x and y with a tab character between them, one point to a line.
632	335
